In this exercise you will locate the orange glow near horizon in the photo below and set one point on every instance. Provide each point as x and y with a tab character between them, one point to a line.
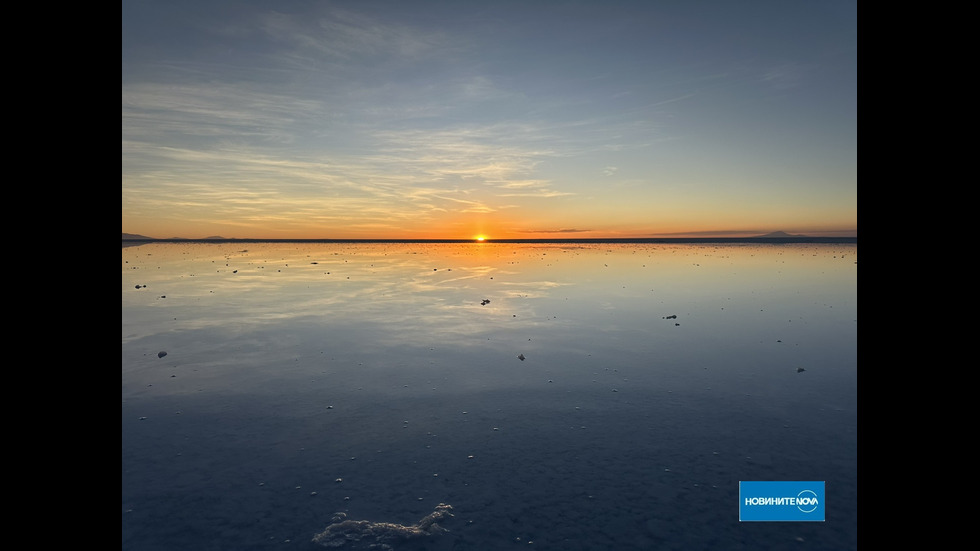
512	223
483	228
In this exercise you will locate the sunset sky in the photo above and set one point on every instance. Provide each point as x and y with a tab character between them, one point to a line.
509	119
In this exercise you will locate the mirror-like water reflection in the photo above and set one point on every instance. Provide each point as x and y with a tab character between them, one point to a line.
654	378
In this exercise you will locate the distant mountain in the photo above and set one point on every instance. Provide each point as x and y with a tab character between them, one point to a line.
138	237
781	234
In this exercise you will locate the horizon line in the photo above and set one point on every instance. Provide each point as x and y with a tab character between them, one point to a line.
758	238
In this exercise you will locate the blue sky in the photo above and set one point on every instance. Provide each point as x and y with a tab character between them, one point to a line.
426	119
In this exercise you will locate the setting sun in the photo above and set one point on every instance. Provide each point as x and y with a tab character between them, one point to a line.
480	238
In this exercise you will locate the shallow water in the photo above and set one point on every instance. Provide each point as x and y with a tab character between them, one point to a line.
290	366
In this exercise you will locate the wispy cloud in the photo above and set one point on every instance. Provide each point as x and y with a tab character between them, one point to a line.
349	35
784	77
206	114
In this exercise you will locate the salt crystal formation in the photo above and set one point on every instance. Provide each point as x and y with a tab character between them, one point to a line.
364	534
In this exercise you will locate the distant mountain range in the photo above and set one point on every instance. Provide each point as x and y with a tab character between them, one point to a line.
781	234
135	236
772	237
138	237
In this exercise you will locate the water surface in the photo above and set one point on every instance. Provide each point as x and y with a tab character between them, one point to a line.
381	380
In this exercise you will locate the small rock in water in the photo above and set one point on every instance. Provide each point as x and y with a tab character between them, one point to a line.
521	357
800	370
161	354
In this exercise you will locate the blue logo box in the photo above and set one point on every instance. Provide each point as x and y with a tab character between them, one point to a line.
781	500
